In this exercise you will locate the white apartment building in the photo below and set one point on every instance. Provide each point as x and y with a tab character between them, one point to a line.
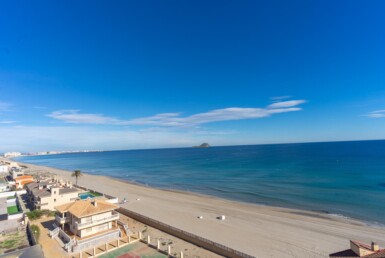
47	195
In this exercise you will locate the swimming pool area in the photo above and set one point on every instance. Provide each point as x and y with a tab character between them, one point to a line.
91	195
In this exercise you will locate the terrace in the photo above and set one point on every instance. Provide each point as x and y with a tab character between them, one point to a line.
73	236
113	217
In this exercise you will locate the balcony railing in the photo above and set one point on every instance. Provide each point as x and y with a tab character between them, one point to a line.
96	240
98	221
62	220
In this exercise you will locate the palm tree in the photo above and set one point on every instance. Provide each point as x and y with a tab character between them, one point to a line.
77	173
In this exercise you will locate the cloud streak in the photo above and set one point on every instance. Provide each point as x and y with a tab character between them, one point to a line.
7	122
376	114
177	120
4	106
74	117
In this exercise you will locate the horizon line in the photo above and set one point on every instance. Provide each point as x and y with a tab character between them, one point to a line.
211	146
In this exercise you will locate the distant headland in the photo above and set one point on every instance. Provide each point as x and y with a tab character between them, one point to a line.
203	145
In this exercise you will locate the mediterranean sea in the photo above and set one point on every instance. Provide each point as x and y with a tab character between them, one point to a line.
343	178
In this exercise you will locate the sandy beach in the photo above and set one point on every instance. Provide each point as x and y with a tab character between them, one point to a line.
261	231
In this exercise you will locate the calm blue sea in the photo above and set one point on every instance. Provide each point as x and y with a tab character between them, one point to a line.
346	178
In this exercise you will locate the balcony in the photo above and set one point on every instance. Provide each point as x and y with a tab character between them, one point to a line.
95	240
62	220
96	222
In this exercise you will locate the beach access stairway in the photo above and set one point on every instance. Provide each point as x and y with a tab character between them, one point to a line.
125	228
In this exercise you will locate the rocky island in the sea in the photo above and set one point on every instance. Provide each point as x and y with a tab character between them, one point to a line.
203	145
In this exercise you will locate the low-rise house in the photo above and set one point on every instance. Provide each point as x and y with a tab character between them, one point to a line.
87	217
20	181
15	172
4	187
87	223
3	169
47	195
358	249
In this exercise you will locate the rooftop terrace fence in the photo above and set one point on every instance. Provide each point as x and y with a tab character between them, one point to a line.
189	237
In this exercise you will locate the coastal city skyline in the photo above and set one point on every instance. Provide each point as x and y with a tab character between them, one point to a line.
133	75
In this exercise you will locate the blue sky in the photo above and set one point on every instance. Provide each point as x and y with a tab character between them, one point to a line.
149	74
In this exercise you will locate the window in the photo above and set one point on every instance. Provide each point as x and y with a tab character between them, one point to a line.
54	200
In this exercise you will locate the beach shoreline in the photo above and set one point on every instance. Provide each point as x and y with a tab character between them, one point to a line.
257	229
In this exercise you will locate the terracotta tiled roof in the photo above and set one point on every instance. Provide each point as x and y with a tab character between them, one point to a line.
378	254
83	208
23	177
350	254
361	245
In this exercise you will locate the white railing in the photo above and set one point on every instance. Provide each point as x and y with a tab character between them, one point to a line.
54	233
61	220
94	241
64	235
68	246
84	224
126	228
128	231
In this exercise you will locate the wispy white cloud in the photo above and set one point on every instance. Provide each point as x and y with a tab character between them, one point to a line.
7	122
286	104
4	106
177	120
74	117
376	114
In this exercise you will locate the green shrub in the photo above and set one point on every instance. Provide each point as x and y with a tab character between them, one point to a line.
49	213
37	214
35	231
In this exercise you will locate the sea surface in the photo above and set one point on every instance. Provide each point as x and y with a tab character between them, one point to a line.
343	178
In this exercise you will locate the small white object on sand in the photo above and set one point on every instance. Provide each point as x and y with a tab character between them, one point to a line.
138	199
200	217
222	217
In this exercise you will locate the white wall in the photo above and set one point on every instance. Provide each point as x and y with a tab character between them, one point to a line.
60	199
96	217
95	229
15	216
12	193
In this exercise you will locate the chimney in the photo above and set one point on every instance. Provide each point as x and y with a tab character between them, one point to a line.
375	246
95	203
